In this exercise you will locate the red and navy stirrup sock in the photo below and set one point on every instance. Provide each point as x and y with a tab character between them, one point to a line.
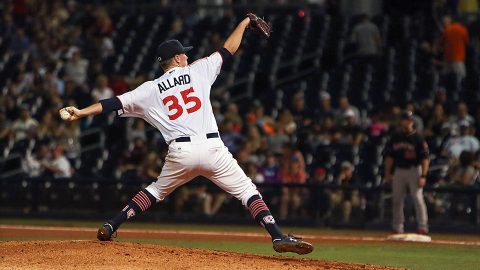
139	203
262	215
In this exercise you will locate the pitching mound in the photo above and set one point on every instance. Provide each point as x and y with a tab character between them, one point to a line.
114	255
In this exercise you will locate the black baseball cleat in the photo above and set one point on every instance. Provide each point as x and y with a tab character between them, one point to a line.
290	243
106	233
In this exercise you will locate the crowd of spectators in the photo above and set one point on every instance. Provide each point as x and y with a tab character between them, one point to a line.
63	44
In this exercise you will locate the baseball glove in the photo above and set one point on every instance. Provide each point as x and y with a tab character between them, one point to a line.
259	25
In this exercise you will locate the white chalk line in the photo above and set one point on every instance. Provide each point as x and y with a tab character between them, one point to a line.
226	234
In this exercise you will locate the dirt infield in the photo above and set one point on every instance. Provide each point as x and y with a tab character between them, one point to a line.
90	254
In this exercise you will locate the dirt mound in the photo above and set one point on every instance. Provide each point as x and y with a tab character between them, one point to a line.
83	254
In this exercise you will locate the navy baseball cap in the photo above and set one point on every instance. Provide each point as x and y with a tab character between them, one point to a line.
170	48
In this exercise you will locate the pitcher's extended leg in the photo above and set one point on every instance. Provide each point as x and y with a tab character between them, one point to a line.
227	174
139	203
173	175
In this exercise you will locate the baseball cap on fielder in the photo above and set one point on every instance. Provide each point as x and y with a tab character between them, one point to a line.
170	48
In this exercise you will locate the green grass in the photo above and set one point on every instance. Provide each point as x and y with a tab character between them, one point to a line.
406	255
413	256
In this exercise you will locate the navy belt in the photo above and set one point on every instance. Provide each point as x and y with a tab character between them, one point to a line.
187	139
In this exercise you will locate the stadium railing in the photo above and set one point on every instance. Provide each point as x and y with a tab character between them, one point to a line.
450	208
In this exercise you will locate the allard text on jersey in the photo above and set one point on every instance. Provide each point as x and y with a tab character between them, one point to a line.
172	82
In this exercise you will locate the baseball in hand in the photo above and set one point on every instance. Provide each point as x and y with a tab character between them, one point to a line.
64	114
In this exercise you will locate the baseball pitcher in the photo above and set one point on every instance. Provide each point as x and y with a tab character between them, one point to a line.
178	105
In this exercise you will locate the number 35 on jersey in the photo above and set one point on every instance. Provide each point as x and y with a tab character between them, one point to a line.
190	103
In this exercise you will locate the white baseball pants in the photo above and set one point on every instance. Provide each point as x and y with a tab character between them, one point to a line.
202	157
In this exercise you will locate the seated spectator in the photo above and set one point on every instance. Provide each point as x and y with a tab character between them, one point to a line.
464	173
325	134
133	157
213	201
104	23
286	122
270	170
20	43
417	120
293	171
101	90
262	120
346	199
464	142
253	137
136	130
461	115
69	135
345	108
301	114
321	198
252	172
378	126
76	67
350	132
33	164
206	202
436	122
230	138
325	106
24	125
58	166
48	127
107	49
233	117
149	169
277	140
52	80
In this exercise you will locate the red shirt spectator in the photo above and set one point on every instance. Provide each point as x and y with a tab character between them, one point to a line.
455	38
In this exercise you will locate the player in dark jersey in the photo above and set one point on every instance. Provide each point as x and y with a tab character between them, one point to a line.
406	166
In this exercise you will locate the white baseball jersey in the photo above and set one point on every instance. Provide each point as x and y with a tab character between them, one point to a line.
178	102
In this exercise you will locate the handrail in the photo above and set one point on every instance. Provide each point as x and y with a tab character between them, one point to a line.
90	180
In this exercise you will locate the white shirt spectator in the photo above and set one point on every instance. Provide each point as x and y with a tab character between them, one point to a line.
456	145
103	93
63	167
22	127
76	67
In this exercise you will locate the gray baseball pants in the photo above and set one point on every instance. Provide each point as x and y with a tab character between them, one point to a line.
403	180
